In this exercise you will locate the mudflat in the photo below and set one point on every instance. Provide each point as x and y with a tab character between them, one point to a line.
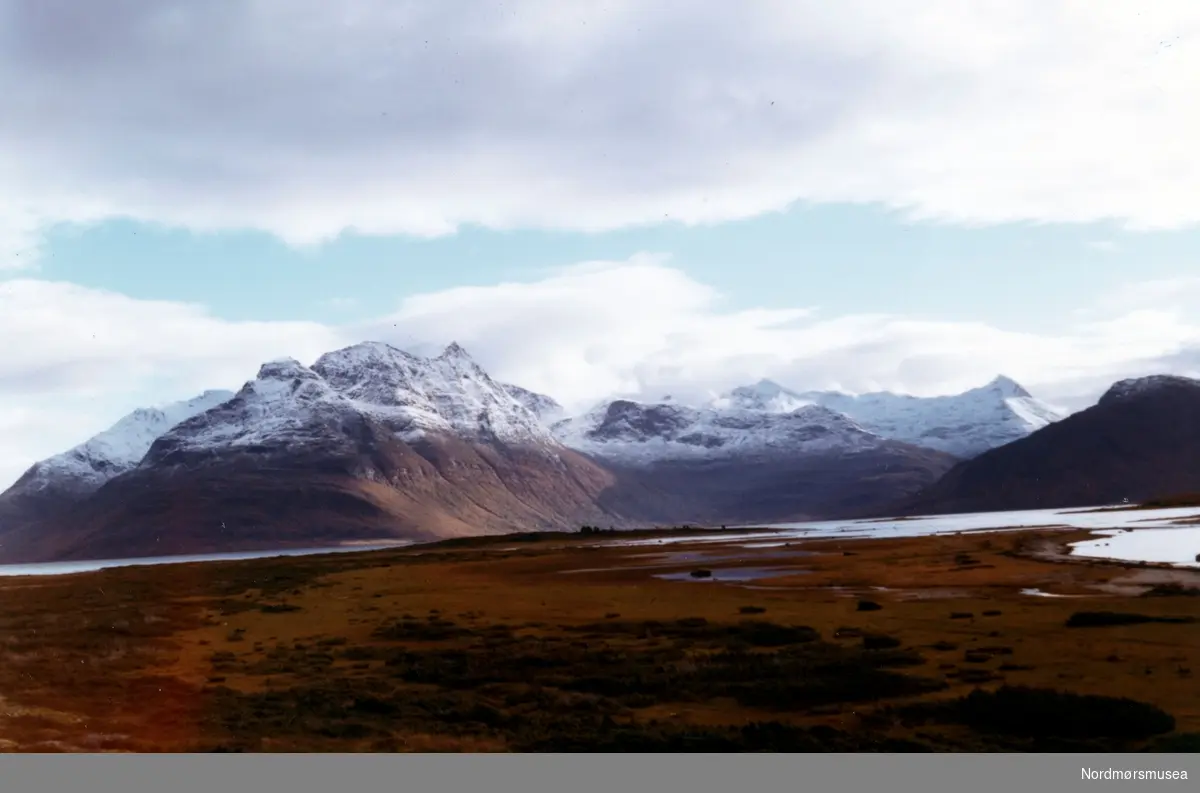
993	641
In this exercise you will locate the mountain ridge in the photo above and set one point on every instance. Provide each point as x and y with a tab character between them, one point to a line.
373	442
1139	441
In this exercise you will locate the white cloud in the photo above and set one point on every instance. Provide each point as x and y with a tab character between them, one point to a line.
308	118
77	359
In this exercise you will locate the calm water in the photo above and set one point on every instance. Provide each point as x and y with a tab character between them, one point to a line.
734	574
1177	546
87	566
1139	535
1136	536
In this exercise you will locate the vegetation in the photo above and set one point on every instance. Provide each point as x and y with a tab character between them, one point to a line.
1039	714
1100	619
1172	501
476	647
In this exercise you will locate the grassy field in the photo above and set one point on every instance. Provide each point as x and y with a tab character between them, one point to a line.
569	644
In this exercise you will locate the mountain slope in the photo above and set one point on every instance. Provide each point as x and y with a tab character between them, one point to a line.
1142	439
732	465
545	408
370	442
59	481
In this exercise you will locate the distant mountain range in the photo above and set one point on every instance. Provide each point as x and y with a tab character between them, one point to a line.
964	424
372	442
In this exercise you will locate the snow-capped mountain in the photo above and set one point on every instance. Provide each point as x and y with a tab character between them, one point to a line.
964	425
449	393
114	451
1140	441
413	397
1137	386
370	442
545	408
636	432
764	395
733	463
287	403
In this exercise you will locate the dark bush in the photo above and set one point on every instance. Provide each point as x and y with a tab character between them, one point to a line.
1172	590
1099	619
278	608
1039	713
878	641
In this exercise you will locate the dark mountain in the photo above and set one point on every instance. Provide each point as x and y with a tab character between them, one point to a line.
1141	440
734	465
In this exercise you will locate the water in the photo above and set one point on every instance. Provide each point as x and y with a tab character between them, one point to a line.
1131	535
1037	593
657	561
1134	535
91	565
1175	546
734	574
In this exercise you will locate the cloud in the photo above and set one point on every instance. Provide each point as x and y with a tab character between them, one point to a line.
308	119
77	359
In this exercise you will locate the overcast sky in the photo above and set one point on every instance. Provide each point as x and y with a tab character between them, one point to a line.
593	197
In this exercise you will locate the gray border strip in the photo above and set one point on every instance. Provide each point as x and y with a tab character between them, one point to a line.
587	773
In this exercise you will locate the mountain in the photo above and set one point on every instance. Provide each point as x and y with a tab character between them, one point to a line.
61	480
764	395
963	424
545	408
370	442
738	465
1141	440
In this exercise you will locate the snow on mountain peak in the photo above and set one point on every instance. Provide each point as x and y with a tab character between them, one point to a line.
455	351
763	395
1007	388
115	450
450	393
547	409
963	424
643	432
1133	386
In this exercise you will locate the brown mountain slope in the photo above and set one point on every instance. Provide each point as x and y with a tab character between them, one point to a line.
1142	439
286	497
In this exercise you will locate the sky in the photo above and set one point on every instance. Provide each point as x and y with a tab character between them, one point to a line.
594	198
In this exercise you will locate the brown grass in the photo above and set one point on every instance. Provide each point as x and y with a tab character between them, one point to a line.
476	646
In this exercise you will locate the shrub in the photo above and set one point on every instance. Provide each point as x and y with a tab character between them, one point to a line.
1036	712
1099	619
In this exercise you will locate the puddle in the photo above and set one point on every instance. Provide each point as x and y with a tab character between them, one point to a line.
698	558
932	594
734	574
1035	592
